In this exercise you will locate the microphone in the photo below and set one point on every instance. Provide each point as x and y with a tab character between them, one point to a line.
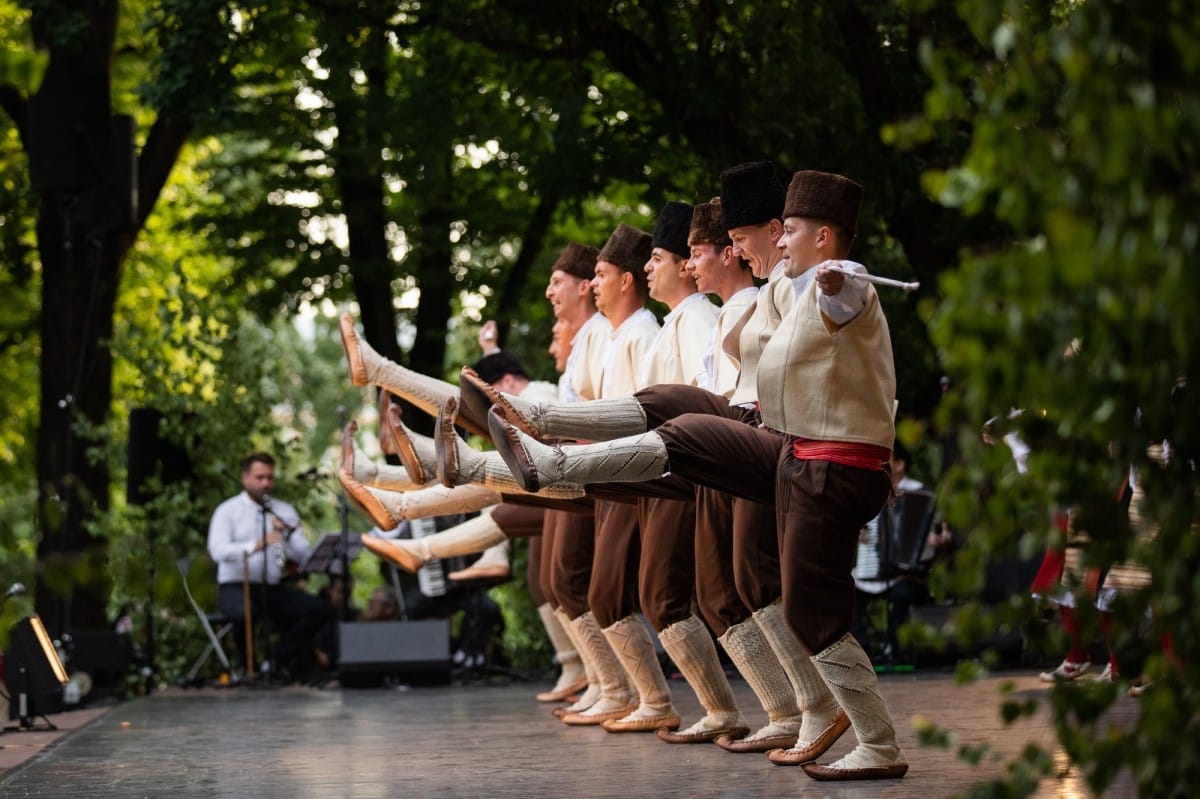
276	549
16	589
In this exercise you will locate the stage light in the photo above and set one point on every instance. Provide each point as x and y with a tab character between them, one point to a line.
34	673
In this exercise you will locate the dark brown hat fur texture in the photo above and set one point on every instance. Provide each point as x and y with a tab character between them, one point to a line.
825	196
751	194
578	260
708	227
671	228
629	249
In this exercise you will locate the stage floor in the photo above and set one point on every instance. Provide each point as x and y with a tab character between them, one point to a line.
483	741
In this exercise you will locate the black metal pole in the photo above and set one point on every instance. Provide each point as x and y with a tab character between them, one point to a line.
344	520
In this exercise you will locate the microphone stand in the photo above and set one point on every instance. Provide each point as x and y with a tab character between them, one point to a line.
268	665
344	521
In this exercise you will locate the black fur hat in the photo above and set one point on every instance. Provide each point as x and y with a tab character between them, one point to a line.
671	228
708	226
825	196
578	260
751	194
628	248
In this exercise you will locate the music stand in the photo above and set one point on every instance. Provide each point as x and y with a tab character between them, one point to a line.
327	556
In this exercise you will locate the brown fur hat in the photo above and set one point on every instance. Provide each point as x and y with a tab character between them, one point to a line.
578	260
751	194
628	248
707	226
671	229
825	196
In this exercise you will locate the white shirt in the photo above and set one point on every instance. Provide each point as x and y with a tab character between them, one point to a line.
235	529
596	325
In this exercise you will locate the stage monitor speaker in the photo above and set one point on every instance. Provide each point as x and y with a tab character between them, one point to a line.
33	672
412	650
106	657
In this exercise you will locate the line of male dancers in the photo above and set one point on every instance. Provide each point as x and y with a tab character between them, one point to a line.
736	453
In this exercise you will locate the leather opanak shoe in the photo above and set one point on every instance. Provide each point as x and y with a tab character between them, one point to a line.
479	396
392	553
758	745
354	361
562	694
475	398
512	450
445	440
827	738
368	503
702	737
650	724
820	771
401	445
585	719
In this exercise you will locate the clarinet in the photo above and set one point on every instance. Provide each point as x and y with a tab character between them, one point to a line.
276	549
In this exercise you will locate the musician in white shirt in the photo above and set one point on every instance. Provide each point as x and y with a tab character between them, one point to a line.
251	537
875	580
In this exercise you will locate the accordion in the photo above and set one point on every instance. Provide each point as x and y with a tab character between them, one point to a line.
896	538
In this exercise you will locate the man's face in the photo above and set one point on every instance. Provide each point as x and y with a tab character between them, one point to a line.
756	243
566	292
706	265
560	345
799	245
665	273
606	286
258	480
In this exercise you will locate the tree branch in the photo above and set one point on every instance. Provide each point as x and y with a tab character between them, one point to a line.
163	145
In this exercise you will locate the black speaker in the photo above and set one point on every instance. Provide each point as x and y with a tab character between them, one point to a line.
33	672
105	656
417	651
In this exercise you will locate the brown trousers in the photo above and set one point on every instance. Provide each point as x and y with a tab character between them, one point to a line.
820	507
612	594
667	567
533	572
567	555
737	557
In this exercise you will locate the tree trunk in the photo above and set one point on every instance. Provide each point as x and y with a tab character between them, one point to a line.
70	161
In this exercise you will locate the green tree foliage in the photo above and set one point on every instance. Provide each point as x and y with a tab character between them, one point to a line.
1084	121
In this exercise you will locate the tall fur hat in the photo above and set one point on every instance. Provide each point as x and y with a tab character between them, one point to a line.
671	229
825	196
707	225
628	248
578	260
751	194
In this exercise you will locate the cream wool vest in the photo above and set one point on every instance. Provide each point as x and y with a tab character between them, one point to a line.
775	299
825	383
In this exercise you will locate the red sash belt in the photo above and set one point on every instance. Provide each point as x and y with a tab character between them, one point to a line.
860	456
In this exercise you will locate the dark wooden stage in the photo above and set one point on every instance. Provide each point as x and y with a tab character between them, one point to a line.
478	741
